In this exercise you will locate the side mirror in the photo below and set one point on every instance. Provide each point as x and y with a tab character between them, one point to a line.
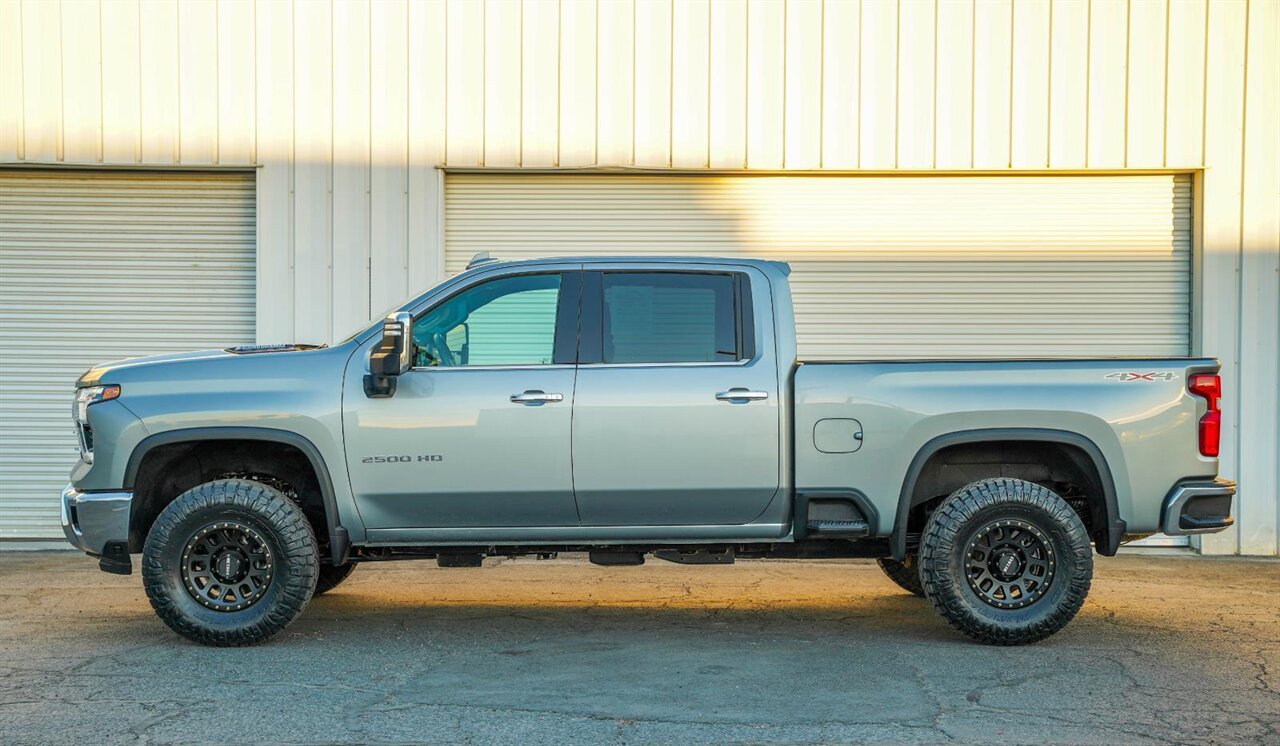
392	356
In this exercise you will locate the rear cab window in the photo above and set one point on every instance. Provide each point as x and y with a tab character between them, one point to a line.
648	317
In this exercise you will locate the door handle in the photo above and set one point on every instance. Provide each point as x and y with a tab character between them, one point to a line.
536	397
742	395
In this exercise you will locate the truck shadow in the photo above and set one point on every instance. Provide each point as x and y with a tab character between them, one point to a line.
889	614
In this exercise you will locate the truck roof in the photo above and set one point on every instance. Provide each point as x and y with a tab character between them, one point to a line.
483	259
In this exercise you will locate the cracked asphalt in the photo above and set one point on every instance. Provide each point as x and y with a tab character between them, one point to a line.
1166	650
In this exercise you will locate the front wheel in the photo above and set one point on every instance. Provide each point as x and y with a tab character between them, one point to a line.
229	563
1005	561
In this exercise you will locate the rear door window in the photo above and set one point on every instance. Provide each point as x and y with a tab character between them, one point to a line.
669	317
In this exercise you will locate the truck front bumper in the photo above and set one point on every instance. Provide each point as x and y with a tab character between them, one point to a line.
97	523
1198	508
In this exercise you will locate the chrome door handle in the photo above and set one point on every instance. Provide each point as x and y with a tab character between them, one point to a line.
742	395
536	397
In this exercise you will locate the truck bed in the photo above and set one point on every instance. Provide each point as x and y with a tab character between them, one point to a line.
1136	412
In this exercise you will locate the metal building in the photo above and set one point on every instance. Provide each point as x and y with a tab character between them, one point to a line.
948	179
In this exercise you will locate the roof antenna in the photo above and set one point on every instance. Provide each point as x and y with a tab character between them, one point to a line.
481	258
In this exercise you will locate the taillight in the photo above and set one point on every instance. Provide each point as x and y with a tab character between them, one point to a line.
1208	386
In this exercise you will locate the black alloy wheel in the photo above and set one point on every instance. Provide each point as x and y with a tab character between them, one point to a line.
227	566
1009	564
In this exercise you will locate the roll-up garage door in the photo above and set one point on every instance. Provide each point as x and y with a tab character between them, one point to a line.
885	267
98	266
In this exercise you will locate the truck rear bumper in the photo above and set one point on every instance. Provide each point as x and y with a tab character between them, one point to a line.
1198	508
97	523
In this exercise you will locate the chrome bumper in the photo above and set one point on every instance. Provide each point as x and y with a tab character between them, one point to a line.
1198	508
97	522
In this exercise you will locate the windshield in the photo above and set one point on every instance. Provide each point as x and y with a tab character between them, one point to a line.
364	326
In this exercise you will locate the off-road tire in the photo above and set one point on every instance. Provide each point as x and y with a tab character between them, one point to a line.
971	510
331	576
285	532
906	573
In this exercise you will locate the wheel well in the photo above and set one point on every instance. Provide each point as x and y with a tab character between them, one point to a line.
1064	468
168	470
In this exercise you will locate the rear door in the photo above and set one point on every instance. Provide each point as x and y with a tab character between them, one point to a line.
676	410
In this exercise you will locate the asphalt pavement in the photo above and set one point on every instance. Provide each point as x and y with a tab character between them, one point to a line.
1166	650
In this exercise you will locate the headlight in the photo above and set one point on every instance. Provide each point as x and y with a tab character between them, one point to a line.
80	413
92	395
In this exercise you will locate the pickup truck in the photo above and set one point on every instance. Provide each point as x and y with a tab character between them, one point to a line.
629	407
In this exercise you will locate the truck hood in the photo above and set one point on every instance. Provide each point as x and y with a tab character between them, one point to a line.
156	364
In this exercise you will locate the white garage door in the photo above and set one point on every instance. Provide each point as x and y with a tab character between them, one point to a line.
99	266
886	267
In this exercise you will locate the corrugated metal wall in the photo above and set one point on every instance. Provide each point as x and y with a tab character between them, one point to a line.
891	267
350	106
99	266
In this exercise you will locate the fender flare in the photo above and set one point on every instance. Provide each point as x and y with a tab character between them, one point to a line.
1107	541
339	542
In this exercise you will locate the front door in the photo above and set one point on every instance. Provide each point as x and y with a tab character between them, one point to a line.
676	413
478	432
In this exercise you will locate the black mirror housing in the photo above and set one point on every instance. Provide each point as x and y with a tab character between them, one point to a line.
392	357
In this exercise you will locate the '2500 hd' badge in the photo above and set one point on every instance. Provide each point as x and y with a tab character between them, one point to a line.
1127	377
401	459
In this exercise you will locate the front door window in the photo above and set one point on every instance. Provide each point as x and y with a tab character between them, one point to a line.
508	321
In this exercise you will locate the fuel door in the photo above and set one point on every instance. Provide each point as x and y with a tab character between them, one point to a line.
837	435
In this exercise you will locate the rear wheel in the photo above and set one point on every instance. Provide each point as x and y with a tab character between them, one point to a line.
230	562
1006	561
331	576
906	573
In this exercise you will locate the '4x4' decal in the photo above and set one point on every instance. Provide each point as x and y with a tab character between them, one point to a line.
1131	376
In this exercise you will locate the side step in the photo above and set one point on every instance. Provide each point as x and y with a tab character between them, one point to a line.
842	529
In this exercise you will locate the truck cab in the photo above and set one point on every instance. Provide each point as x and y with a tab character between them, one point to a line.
581	401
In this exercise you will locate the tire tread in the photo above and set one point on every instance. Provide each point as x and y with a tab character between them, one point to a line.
905	574
332	576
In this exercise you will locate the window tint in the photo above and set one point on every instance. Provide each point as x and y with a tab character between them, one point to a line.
508	321
668	318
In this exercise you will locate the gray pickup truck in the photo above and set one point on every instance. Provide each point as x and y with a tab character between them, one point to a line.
625	408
